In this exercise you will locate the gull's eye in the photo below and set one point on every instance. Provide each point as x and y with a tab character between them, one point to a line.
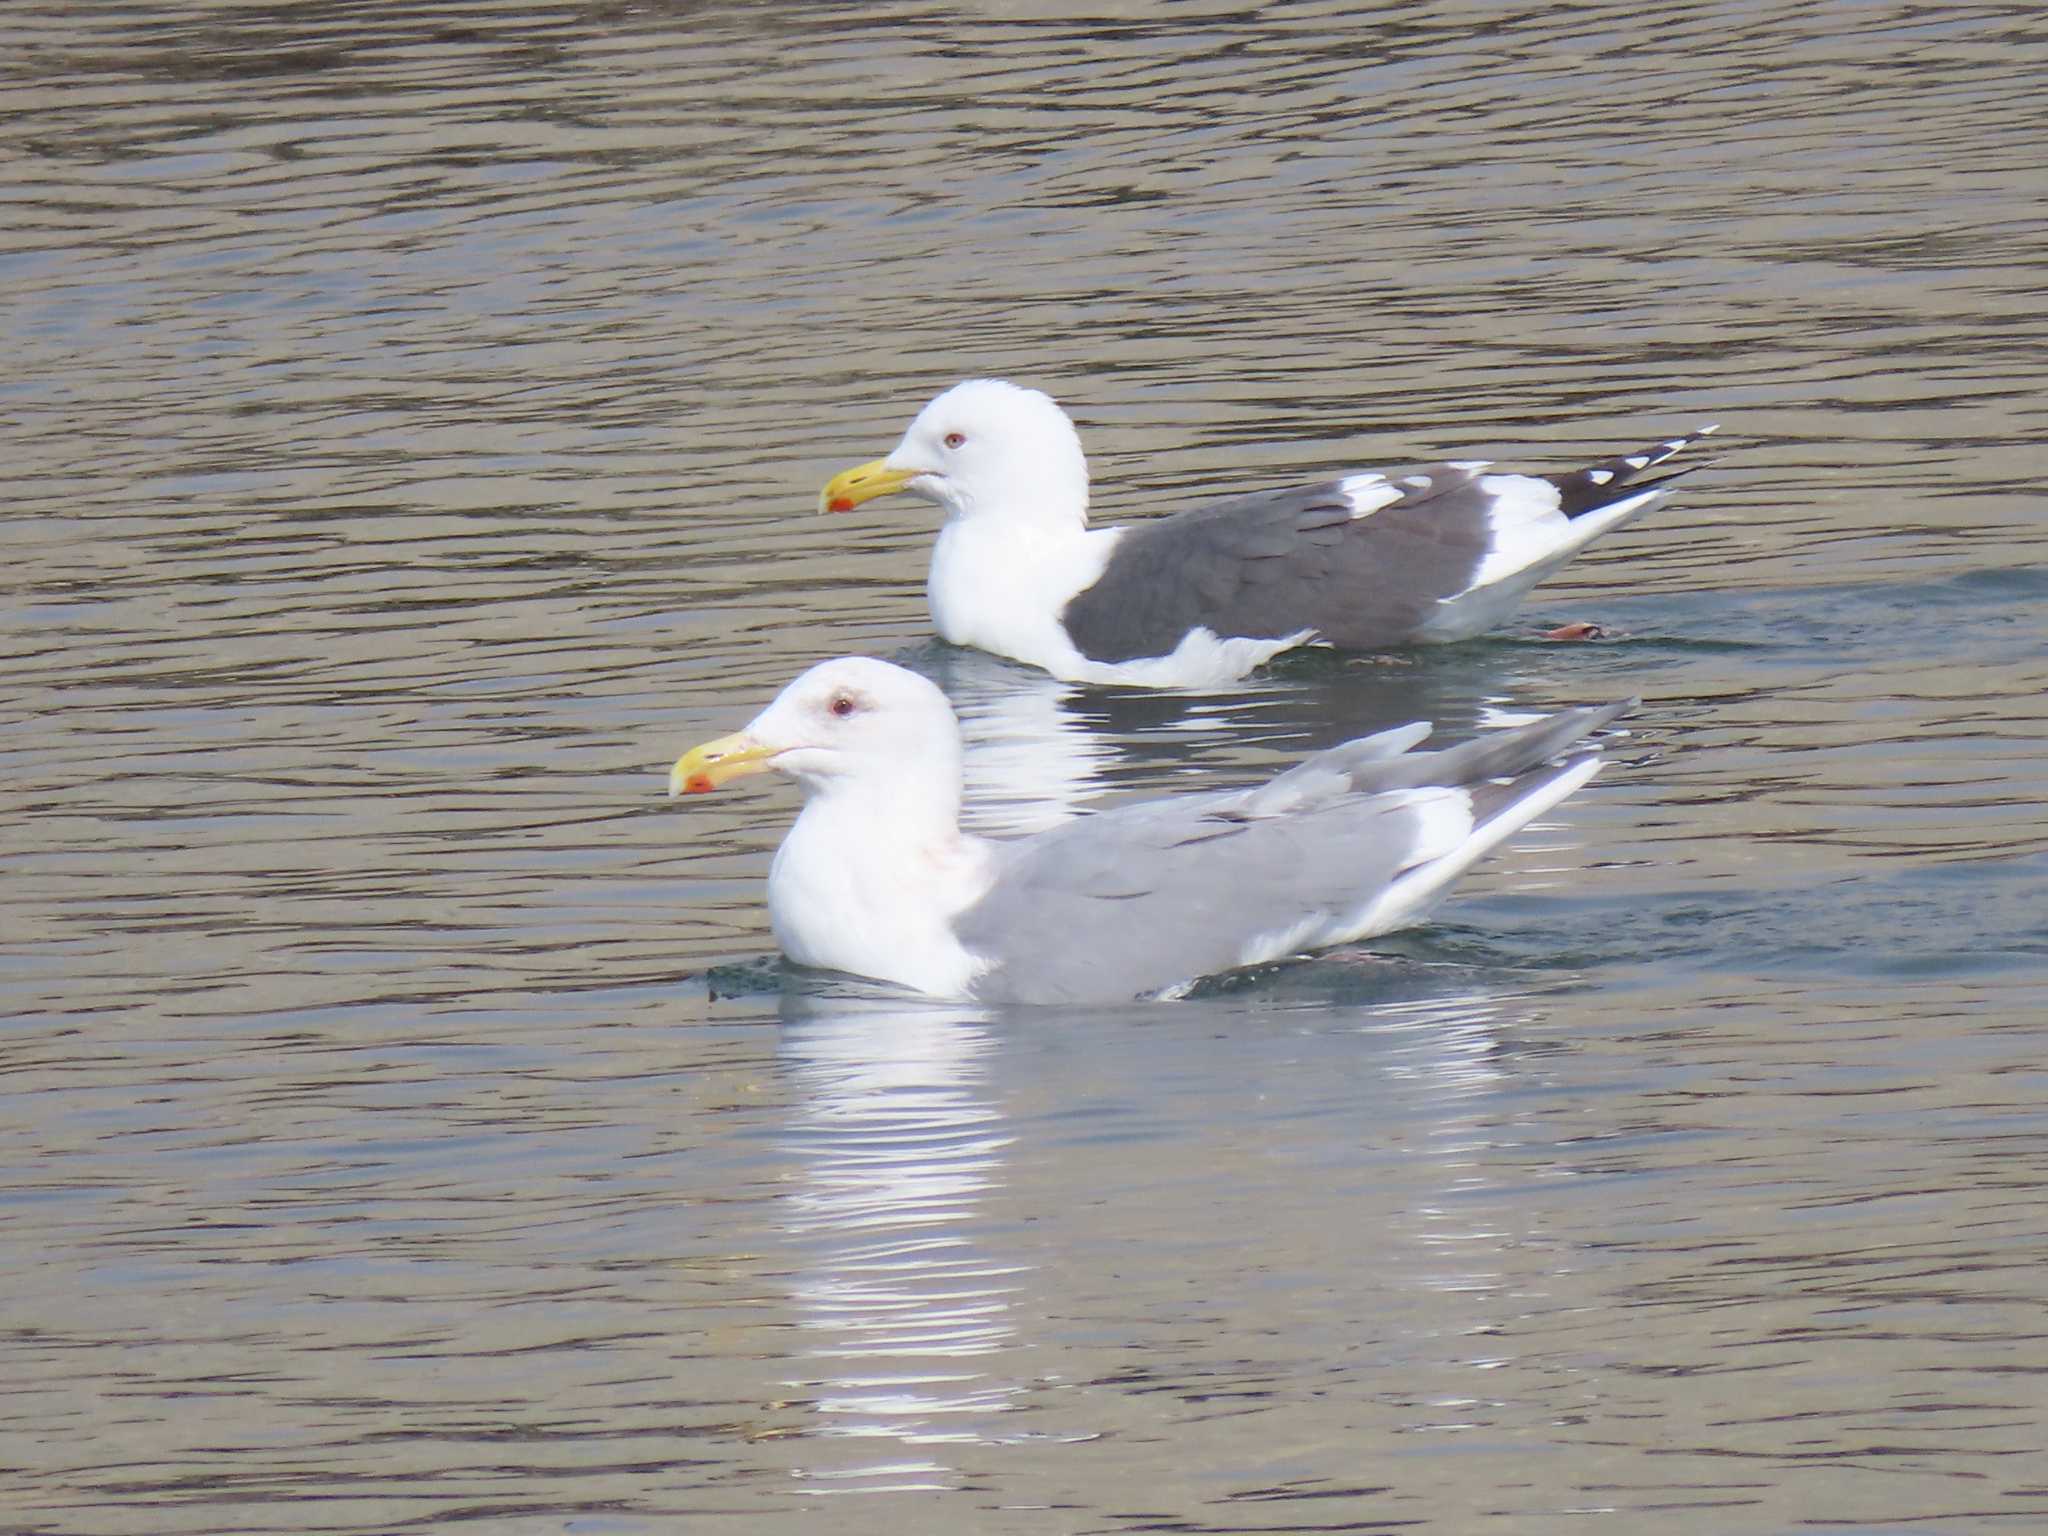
842	705
956	439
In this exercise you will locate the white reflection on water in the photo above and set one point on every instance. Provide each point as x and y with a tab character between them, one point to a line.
1450	1059
897	1292
1029	760
923	1329
1029	763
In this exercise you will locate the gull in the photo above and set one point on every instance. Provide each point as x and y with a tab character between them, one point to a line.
1367	561
876	878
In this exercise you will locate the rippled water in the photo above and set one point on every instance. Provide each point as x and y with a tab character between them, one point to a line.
413	419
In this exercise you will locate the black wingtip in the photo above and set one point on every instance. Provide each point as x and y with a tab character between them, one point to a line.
1625	475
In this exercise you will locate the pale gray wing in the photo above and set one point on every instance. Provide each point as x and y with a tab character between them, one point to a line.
1149	895
1496	755
1140	898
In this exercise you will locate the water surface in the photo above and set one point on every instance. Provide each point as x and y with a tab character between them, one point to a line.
413	423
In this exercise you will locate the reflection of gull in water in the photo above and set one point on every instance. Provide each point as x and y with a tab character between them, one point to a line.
1384	1213
1471	1238
1029	761
900	1301
1028	764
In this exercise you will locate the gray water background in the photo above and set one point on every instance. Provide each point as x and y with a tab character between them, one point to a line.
411	425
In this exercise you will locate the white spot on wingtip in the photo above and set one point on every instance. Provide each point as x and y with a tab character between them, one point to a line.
1637	461
1367	493
1470	466
1599	476
1418	482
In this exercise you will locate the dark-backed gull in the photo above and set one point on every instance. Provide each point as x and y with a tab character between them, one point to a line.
1364	562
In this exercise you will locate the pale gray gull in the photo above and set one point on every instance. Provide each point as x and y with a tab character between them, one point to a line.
1367	561
876	878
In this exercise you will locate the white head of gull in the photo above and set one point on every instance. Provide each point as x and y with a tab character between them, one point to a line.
876	878
1362	562
876	866
985	448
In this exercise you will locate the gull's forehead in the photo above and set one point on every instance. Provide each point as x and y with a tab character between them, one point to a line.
853	669
877	681
984	400
826	678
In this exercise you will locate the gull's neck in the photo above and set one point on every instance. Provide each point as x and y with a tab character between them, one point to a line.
915	798
1047	493
872	874
1002	571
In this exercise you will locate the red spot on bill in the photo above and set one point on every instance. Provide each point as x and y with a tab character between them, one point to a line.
698	784
839	504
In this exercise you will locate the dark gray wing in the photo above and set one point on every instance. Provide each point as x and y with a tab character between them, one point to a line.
1278	562
1362	562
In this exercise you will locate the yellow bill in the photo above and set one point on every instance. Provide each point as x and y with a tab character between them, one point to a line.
864	482
702	769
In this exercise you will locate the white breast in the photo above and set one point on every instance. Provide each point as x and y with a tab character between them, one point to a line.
1001	588
847	895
